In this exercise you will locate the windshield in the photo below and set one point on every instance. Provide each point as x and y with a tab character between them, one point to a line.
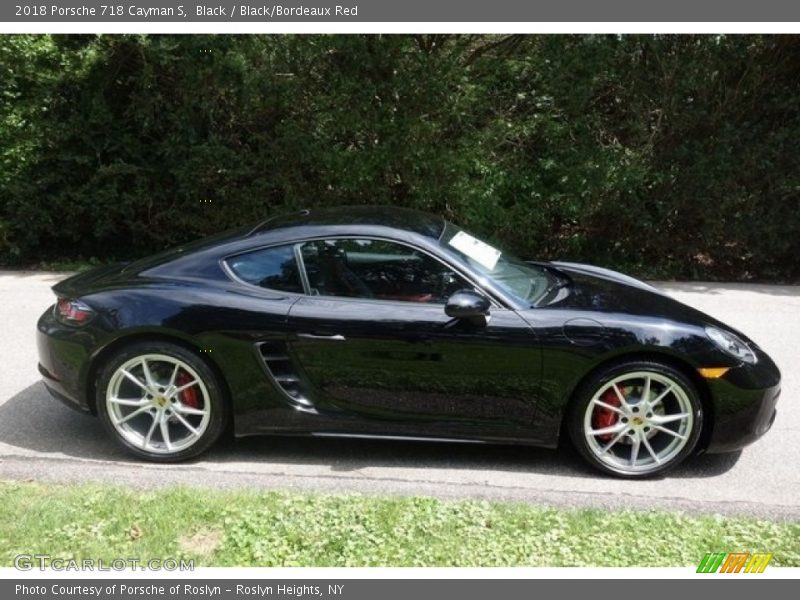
525	281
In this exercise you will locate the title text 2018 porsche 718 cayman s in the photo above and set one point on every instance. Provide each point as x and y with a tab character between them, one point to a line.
386	322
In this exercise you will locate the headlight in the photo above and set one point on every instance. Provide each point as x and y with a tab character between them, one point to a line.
731	344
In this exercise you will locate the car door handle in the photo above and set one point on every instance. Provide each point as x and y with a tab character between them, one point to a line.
331	337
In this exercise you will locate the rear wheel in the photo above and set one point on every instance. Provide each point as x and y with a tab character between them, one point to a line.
161	402
636	419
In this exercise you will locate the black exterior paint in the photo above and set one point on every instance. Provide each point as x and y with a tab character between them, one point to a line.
402	369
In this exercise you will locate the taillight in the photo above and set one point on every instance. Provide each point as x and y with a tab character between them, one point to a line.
73	312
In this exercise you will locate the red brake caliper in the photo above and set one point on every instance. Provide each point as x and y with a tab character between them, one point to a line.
605	417
189	395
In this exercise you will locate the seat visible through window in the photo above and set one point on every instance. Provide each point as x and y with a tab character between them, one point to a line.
378	269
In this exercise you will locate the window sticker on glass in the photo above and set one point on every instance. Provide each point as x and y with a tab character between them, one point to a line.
479	251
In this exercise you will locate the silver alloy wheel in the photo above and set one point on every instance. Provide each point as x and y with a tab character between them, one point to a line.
146	401
653	421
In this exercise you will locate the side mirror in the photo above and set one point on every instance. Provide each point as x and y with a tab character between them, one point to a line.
467	304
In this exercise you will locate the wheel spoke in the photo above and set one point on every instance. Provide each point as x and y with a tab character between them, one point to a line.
620	395
661	419
128	401
131	415
186	386
146	441
610	444
661	396
669	431
186	424
652	452
606	430
637	442
174	374
646	389
188	410
608	406
134	379
165	433
148	376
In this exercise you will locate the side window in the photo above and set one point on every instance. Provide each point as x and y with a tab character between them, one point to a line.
363	268
272	268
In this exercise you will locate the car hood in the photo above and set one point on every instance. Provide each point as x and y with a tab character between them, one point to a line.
603	290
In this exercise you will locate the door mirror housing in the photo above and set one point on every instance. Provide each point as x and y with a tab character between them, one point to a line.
468	304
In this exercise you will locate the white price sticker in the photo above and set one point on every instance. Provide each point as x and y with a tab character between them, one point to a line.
479	251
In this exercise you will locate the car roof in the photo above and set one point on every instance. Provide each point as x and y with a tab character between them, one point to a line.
404	219
201	257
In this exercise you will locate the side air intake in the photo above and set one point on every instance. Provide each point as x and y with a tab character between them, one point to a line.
281	370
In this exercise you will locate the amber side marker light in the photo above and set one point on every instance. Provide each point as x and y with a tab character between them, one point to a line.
713	372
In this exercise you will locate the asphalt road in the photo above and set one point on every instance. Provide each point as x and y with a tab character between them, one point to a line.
42	440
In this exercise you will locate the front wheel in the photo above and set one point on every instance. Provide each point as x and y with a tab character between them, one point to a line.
636	419
161	402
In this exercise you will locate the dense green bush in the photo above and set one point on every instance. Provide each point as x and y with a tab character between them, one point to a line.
662	155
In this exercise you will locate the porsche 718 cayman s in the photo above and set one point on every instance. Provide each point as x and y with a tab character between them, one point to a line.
386	322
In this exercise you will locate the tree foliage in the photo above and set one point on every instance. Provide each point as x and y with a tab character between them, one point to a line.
662	155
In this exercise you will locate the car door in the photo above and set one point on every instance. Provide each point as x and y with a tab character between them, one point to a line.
372	340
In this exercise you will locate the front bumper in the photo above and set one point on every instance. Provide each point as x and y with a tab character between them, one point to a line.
740	416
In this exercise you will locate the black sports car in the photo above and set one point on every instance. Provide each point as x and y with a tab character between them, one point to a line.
386	322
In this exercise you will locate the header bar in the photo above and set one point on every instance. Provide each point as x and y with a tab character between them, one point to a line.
405	11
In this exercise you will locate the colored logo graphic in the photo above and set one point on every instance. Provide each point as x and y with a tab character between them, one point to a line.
734	562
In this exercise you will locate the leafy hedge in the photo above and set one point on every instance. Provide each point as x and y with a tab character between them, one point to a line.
662	155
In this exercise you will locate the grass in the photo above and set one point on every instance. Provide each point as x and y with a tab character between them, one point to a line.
244	528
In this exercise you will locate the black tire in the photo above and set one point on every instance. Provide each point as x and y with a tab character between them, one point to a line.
218	404
576	416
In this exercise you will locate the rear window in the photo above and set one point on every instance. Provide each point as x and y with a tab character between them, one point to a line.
271	268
